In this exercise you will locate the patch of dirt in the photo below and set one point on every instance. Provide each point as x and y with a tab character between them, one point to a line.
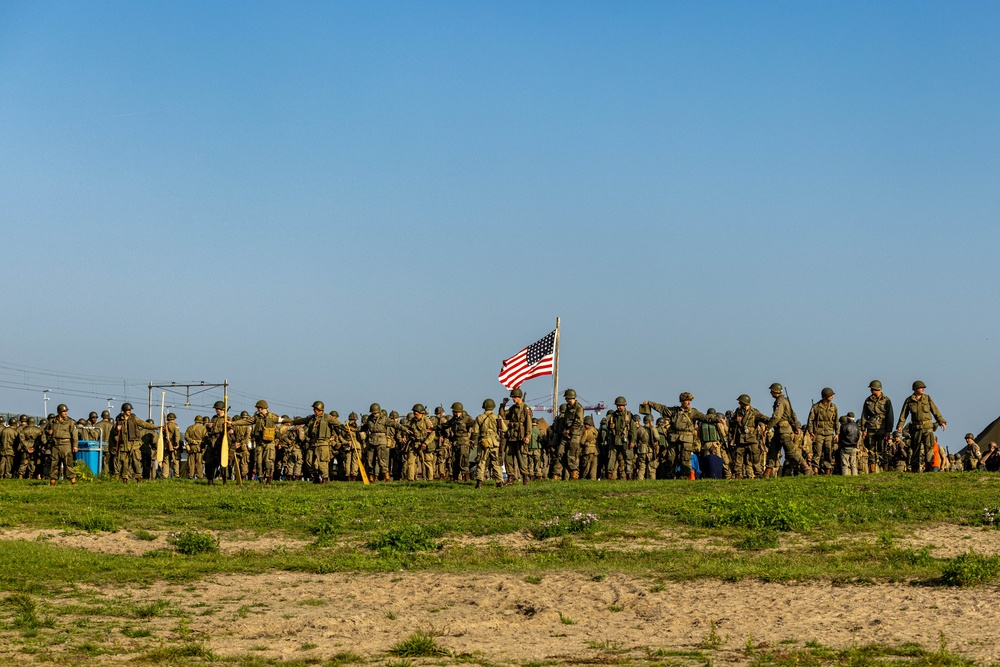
566	616
123	542
949	540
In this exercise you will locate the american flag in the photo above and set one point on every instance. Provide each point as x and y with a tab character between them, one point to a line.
531	362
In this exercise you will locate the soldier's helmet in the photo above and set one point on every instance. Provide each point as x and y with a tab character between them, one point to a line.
686	396
489	404
261	404
375	407
711	411
353	416
457	407
850	415
23	418
776	388
171	417
105	415
569	393
516	393
875	384
439	410
318	405
285	418
128	406
31	421
92	415
621	401
419	409
393	415
62	408
219	405
826	393
198	419
334	414
844	419
969	436
919	384
743	399
647	420
588	420
244	414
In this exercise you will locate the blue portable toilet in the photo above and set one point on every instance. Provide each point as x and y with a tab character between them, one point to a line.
90	451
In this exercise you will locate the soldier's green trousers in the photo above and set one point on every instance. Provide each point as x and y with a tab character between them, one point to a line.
644	465
320	463
265	460
921	449
460	459
293	460
617	457
824	452
783	439
6	465
588	465
516	455
27	466
489	460
130	460
444	462
194	462
61	454
536	465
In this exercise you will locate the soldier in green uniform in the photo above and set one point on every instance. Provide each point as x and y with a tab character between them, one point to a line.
644	461
569	431
29	444
620	439
588	450
127	435
824	426
444	454
239	447
458	429
876	425
420	445
517	436
924	418
351	449
320	429
63	437
105	424
712	442
216	427
8	440
486	436
785	425
172	441
375	429
535	469
682	437
970	454
194	436
263	427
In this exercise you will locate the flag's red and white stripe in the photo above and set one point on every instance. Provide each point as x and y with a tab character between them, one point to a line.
533	361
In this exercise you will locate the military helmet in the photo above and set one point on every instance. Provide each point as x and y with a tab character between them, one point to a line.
244	414
198	419
261	404
439	410
588	420
219	405
743	399
850	415
844	419
648	419
285	418
393	415
875	384
621	401
919	384
569	393
711	411
353	416
489	404
318	405
516	393
92	414
686	396
375	407
106	415
457	407
826	393
128	406
420	409
23	418
969	436
334	414
31	421
62	408
171	416
776	388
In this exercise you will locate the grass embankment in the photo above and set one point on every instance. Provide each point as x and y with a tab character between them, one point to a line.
841	529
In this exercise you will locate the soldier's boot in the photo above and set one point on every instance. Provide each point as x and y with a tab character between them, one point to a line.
499	485
574	474
52	482
73	481
768	472
612	476
479	483
524	480
385	477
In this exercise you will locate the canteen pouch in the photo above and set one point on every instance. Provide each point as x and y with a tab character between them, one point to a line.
268	435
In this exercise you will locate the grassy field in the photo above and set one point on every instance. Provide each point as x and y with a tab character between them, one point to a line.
829	529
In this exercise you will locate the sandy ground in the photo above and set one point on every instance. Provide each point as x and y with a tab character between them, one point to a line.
124	542
506	619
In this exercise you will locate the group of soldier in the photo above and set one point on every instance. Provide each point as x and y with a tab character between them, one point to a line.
503	444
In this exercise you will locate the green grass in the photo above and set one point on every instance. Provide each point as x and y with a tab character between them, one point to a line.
421	644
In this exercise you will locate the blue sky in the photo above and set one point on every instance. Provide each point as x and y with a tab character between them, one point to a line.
365	202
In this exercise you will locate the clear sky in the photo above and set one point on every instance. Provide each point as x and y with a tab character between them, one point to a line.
379	201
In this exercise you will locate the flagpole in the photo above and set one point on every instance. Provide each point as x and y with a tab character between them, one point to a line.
555	376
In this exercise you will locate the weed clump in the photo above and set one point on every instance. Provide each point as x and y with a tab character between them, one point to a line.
26	613
577	523
970	569
92	522
407	539
757	513
764	539
192	542
421	644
